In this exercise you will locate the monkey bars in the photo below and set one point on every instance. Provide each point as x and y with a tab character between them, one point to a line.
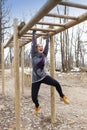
23	36
45	12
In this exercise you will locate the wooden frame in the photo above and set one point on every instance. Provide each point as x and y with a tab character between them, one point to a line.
44	11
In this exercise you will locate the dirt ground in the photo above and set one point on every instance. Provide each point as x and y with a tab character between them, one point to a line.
68	117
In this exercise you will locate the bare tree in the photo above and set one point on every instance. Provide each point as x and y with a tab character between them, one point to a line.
73	46
0	31
80	48
64	40
4	20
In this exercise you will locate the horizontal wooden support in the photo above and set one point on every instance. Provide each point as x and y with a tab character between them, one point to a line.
76	5
11	44
50	4
8	42
70	24
43	30
61	16
29	36
24	43
30	40
41	33
50	24
25	39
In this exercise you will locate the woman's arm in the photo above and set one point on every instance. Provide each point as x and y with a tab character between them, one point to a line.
34	44
47	45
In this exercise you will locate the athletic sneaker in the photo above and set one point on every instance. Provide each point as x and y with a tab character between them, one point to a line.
37	109
65	100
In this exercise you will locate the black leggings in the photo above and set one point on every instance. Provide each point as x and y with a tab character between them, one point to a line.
49	81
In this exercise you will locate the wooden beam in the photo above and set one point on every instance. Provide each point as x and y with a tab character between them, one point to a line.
3	86
50	4
61	16
37	34
70	24
52	73
43	29
51	24
43	11
24	39
81	6
16	75
30	40
24	36
8	42
22	69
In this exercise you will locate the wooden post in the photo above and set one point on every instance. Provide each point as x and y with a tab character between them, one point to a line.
22	67
52	72
12	67
30	73
16	75
3	89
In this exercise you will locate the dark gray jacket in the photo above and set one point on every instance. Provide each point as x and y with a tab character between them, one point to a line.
38	60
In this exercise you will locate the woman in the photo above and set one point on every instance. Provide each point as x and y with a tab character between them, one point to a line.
39	75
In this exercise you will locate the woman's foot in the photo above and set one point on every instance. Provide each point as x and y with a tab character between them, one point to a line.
65	100
37	109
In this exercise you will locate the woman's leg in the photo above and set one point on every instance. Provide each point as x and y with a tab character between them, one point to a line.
51	81
34	92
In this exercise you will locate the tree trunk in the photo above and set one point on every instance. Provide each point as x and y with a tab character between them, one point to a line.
0	33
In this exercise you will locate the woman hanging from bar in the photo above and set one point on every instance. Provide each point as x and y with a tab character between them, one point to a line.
39	75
